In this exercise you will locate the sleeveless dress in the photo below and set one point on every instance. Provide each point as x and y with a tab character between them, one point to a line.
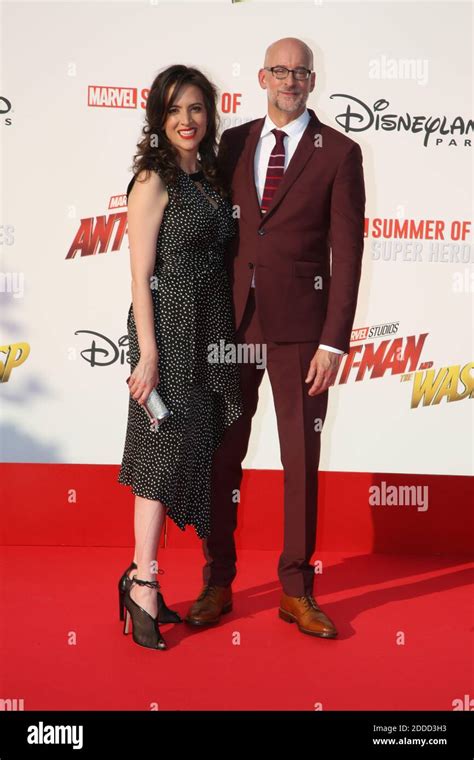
194	325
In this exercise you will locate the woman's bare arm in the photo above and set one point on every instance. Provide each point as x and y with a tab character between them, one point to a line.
147	201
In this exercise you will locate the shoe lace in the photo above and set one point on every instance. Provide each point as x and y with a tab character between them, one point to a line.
141	582
208	591
132	568
309	601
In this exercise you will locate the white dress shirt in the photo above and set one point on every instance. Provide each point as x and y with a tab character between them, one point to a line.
294	131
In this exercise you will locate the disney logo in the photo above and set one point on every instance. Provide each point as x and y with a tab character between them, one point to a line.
359	116
103	351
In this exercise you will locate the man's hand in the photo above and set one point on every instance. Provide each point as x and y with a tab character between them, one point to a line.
323	370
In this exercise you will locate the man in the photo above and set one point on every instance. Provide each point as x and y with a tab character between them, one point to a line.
299	186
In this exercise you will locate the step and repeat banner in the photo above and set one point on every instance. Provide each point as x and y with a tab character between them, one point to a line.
395	77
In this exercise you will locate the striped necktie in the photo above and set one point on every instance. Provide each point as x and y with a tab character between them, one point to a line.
275	171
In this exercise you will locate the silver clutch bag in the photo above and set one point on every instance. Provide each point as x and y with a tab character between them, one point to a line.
155	408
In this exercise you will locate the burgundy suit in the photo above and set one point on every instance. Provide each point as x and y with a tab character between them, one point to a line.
317	214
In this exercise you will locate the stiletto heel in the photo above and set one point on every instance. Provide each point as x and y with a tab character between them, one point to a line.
165	614
121	602
145	628
126	622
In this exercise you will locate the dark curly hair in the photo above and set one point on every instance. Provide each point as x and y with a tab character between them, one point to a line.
155	150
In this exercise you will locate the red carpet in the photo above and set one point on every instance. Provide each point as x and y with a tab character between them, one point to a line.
62	645
83	505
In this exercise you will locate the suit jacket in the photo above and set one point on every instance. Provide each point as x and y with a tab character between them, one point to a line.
318	208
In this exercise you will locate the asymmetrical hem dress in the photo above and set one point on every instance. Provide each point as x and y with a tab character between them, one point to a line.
194	326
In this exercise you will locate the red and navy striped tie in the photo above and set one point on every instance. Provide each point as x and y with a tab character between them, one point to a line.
275	171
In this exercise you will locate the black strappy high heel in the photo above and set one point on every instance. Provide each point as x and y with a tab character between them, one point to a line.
165	614
145	628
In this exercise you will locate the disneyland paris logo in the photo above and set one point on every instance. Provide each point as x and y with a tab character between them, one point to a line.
359	116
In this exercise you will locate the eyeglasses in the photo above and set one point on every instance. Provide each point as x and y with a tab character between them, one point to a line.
281	72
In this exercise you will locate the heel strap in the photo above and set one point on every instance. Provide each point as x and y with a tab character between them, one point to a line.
140	582
134	566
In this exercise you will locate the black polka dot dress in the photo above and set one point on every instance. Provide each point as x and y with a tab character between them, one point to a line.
194	322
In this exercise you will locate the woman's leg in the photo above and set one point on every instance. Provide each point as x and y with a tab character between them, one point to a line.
149	521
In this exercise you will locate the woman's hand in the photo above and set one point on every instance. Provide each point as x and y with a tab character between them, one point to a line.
144	378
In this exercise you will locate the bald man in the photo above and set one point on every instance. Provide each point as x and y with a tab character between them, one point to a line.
295	269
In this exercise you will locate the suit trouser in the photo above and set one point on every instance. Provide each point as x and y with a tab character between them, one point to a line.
299	420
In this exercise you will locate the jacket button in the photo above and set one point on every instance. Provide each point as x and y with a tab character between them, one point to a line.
261	232
250	265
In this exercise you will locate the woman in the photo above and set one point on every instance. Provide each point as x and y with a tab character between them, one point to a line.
179	223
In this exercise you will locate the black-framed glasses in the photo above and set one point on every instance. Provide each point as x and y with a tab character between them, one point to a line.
281	72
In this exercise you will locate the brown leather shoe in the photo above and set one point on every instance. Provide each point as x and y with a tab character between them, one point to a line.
212	602
310	618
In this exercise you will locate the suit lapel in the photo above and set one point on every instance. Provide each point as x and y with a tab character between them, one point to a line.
301	156
249	173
